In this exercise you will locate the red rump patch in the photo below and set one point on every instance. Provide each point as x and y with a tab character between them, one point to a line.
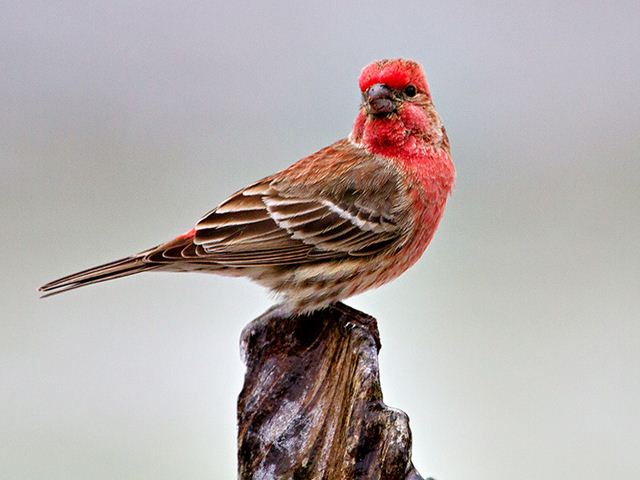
189	234
395	73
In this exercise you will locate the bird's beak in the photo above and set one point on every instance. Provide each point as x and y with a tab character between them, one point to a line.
379	99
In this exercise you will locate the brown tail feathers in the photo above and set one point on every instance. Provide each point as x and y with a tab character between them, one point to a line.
117	269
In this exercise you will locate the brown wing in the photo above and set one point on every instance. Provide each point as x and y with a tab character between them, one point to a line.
336	203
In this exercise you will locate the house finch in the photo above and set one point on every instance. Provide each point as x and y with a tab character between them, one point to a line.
347	218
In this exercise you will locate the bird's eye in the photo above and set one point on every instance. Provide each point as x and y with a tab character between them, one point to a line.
410	90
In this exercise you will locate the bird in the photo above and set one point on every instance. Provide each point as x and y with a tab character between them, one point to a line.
345	219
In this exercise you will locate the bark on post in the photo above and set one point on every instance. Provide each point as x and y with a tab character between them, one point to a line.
311	406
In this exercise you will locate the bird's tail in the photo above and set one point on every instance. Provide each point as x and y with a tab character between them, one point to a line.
117	269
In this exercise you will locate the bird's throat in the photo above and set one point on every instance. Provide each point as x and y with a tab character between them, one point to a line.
406	135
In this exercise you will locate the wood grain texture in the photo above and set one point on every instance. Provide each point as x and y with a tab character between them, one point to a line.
311	406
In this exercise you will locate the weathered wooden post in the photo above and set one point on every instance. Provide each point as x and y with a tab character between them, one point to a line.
311	406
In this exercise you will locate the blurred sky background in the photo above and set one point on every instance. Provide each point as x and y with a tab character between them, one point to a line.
513	345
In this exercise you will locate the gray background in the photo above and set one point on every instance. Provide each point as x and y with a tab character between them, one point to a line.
514	344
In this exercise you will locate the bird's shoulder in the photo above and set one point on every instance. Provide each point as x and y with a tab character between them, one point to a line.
347	174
